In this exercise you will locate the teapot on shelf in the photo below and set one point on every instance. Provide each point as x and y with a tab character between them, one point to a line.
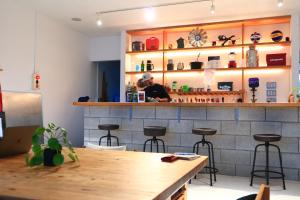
180	66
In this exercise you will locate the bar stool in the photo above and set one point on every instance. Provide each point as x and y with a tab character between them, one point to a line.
211	158
267	138
154	132
108	127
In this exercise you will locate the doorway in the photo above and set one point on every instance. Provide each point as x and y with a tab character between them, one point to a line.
108	81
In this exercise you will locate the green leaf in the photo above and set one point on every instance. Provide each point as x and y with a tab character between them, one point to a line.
36	160
48	130
39	131
53	144
58	159
51	126
72	157
35	139
36	148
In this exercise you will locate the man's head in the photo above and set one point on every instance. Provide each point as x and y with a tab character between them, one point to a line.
147	79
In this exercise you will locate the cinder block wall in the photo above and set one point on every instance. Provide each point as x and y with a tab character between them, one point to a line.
233	143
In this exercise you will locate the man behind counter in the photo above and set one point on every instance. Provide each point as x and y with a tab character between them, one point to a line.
153	90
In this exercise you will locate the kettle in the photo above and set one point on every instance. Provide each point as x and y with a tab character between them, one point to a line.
180	43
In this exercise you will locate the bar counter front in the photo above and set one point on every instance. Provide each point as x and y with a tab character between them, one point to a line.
236	123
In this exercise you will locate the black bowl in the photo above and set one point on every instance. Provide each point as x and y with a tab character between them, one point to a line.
196	65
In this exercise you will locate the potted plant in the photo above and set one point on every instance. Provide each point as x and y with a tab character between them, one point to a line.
50	154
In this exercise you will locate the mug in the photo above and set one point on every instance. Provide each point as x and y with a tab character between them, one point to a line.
150	66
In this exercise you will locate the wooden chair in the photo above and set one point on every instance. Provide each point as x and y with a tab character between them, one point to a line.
264	193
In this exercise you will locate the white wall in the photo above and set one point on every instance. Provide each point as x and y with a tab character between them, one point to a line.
61	58
105	48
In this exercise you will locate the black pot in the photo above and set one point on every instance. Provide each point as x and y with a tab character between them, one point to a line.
170	67
196	65
48	157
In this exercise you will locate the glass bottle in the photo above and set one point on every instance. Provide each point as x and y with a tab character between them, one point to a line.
142	66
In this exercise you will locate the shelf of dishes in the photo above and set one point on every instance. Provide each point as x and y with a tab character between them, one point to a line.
217	69
207	93
284	43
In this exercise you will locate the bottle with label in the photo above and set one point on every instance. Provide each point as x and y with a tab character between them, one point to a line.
128	93
142	66
137	67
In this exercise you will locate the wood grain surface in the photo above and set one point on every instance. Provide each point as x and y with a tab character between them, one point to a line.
98	175
187	104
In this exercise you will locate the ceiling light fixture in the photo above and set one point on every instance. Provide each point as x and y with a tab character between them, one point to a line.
150	14
99	21
212	7
279	3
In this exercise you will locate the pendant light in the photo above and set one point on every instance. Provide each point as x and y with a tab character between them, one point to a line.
212	7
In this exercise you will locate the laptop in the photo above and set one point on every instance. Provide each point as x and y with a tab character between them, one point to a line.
16	140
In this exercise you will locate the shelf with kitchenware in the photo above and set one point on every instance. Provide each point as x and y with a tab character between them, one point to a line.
283	43
232	52
286	67
207	93
142	72
230	69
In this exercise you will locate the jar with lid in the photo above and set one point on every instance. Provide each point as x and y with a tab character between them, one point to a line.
232	60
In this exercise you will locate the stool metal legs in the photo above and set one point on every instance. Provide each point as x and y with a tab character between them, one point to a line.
108	140
267	170
155	141
211	157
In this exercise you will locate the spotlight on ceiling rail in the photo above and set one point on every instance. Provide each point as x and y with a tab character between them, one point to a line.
212	7
279	3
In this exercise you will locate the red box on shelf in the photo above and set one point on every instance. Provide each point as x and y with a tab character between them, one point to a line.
278	59
152	43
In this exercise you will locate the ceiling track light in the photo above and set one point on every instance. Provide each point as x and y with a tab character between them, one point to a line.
279	3
99	21
212	7
150	15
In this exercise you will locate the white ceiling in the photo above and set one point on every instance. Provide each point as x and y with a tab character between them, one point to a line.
113	23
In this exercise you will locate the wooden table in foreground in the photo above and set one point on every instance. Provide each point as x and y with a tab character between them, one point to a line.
99	175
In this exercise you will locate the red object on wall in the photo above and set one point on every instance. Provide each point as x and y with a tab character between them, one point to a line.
152	43
1	105
278	59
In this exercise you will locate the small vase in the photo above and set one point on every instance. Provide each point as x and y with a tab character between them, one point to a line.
48	157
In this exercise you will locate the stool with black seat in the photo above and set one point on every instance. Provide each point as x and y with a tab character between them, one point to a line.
211	157
267	139
154	132
108	127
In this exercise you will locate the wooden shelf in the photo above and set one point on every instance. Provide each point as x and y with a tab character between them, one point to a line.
209	93
266	67
143	52
284	43
152	72
217	69
242	29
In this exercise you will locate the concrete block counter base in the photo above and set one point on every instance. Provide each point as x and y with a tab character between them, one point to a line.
233	143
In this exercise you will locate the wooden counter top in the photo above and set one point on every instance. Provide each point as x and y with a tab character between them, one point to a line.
106	175
187	104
